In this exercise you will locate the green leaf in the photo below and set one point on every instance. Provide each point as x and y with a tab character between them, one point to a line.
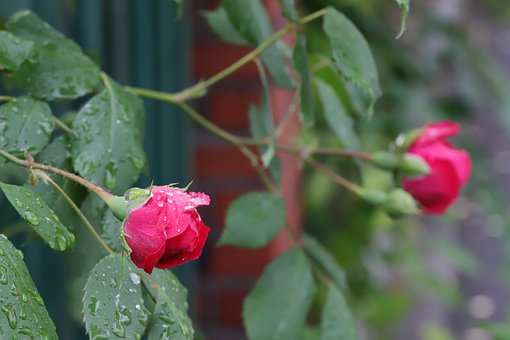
337	322
277	306
24	313
223	27
325	261
113	306
106	147
300	58
252	23
170	319
404	6
352	54
289	10
111	231
13	51
253	220
261	126
25	124
337	118
41	218
57	154
57	68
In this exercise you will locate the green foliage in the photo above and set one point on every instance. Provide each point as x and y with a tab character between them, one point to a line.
106	142
300	58
57	154
252	23
41	218
113	307
25	125
57	69
169	320
352	54
277	306
337	118
325	260
223	27
24	314
337	322
253	220
289	10
13	51
404	6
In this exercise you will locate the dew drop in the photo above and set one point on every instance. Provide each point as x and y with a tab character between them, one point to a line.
18	203
3	276
135	278
31	218
11	316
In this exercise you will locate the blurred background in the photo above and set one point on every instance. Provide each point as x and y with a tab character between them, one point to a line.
426	278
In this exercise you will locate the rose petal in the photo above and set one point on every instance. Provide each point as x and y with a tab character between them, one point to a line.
434	132
436	191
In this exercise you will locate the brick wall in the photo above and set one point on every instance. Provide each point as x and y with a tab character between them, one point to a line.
224	173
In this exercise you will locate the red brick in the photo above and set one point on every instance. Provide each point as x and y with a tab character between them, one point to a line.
221	161
231	261
214	56
231	307
229	107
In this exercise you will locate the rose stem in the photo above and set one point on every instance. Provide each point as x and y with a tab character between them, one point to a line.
80	214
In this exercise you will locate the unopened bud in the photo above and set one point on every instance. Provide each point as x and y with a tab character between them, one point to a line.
385	160
412	165
373	196
399	203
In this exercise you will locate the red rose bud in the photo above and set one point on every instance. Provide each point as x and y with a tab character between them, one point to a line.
449	168
166	230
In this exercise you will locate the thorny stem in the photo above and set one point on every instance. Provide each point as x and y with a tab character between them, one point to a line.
32	165
93	231
6	98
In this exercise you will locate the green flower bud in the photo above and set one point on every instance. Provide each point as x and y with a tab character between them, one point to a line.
118	206
385	160
373	196
399	203
412	165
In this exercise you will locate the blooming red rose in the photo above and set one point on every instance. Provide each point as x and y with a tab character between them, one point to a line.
449	168
166	230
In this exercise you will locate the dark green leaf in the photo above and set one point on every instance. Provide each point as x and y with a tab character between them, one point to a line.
277	306
57	68
113	306
325	261
111	231
57	154
223	27
289	10
170	318
251	22
404	6
24	315
338	119
106	147
253	220
41	218
306	113
337	322
25	124
352	54
13	51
